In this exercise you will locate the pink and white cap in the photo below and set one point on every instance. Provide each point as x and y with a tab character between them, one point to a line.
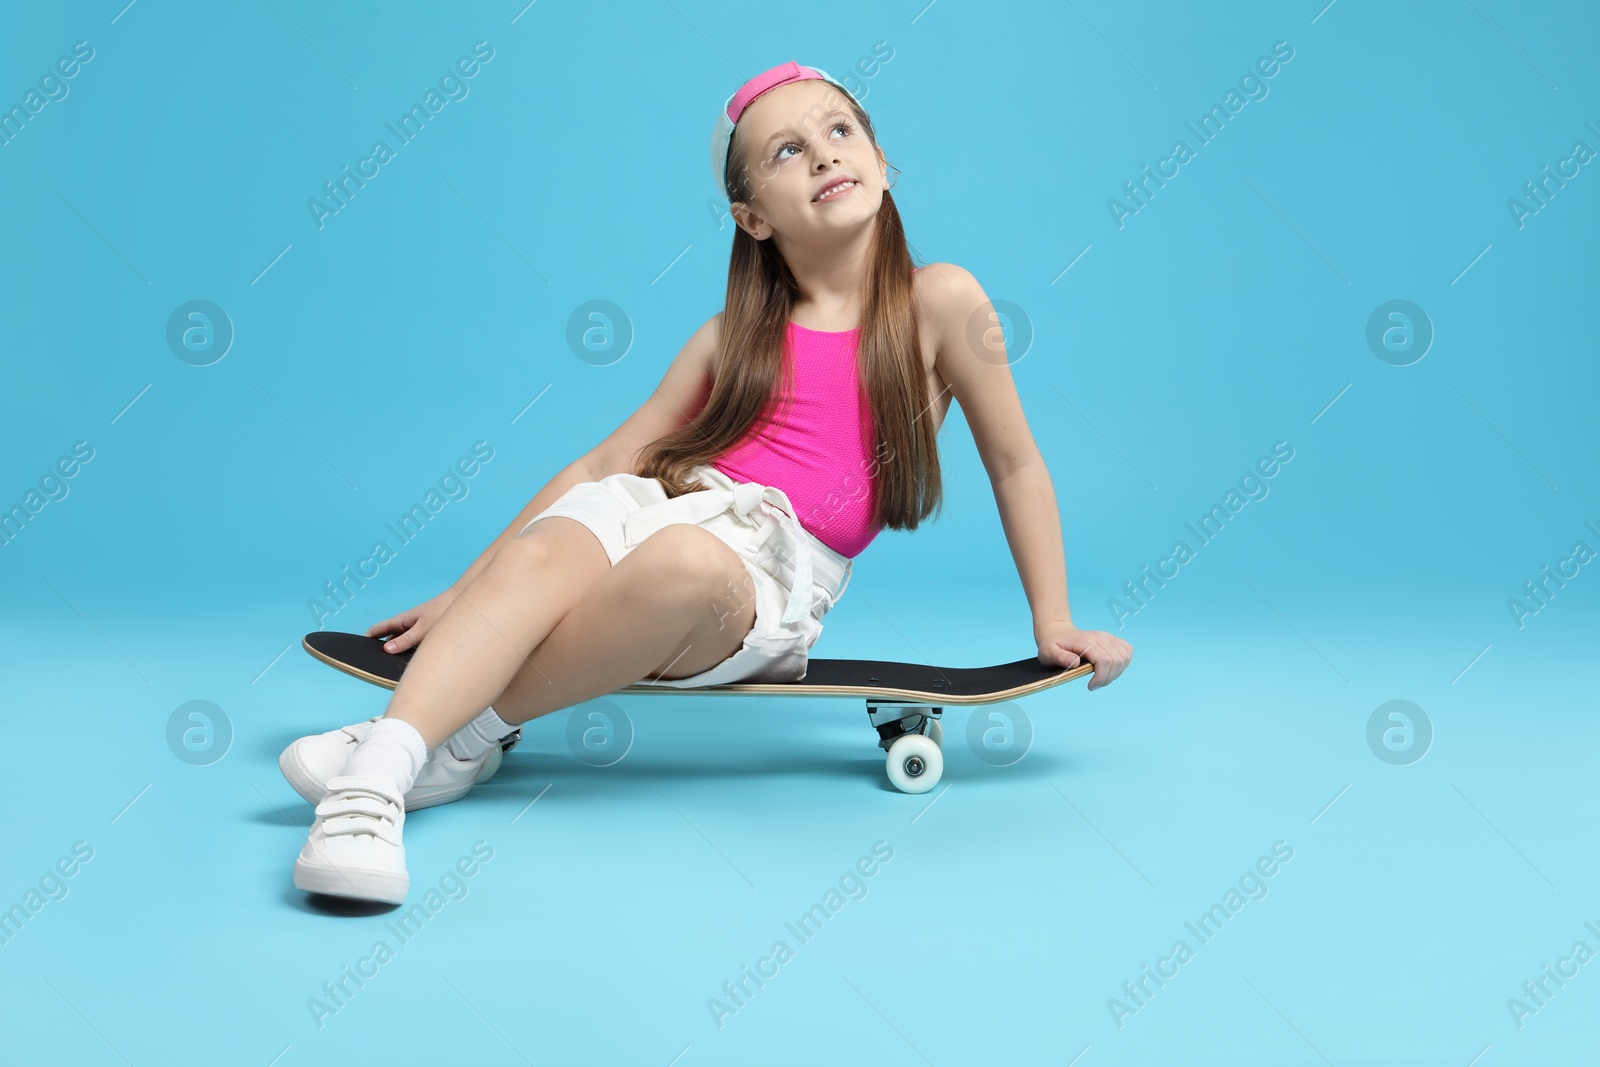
782	74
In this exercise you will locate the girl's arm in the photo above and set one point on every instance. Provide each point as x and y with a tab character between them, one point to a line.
679	397
973	363
585	468
406	630
682	392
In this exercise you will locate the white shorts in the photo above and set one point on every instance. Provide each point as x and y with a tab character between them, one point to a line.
758	523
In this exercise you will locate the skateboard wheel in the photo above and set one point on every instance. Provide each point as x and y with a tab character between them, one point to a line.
936	732
914	763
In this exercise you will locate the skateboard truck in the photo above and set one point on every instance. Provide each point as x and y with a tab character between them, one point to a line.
910	733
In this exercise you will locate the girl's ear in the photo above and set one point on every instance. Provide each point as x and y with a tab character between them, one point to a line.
746	219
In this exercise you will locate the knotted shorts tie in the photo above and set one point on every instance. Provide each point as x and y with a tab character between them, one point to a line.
744	500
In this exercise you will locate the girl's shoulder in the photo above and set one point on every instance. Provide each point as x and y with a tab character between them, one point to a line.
939	291
943	289
944	272
942	279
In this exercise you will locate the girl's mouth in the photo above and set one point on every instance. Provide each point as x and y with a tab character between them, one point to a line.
836	192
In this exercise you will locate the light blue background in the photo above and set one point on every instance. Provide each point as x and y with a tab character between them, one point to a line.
1230	313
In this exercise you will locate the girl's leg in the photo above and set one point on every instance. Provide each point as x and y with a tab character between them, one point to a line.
487	632
679	604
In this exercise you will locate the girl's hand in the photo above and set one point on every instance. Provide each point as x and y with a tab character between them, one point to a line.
1064	645
409	626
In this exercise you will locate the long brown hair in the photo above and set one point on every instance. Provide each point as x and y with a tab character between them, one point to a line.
904	469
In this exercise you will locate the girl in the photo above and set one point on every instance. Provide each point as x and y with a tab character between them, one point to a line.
704	540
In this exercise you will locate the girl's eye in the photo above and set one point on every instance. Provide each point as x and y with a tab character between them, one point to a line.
848	129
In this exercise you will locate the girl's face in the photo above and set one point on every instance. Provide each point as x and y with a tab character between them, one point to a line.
795	142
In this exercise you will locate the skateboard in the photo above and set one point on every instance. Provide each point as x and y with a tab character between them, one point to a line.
904	700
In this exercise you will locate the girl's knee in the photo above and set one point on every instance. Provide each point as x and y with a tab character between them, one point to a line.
684	562
516	563
523	550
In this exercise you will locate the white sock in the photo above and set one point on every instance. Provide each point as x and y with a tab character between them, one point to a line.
393	750
479	736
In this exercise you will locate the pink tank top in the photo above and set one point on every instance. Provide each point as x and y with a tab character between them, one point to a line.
822	455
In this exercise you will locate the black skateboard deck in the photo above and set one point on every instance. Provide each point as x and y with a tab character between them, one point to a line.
904	700
364	657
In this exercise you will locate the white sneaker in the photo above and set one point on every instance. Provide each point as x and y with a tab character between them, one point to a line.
311	763
354	849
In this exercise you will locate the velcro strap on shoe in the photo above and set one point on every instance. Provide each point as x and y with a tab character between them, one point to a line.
360	824
358	803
